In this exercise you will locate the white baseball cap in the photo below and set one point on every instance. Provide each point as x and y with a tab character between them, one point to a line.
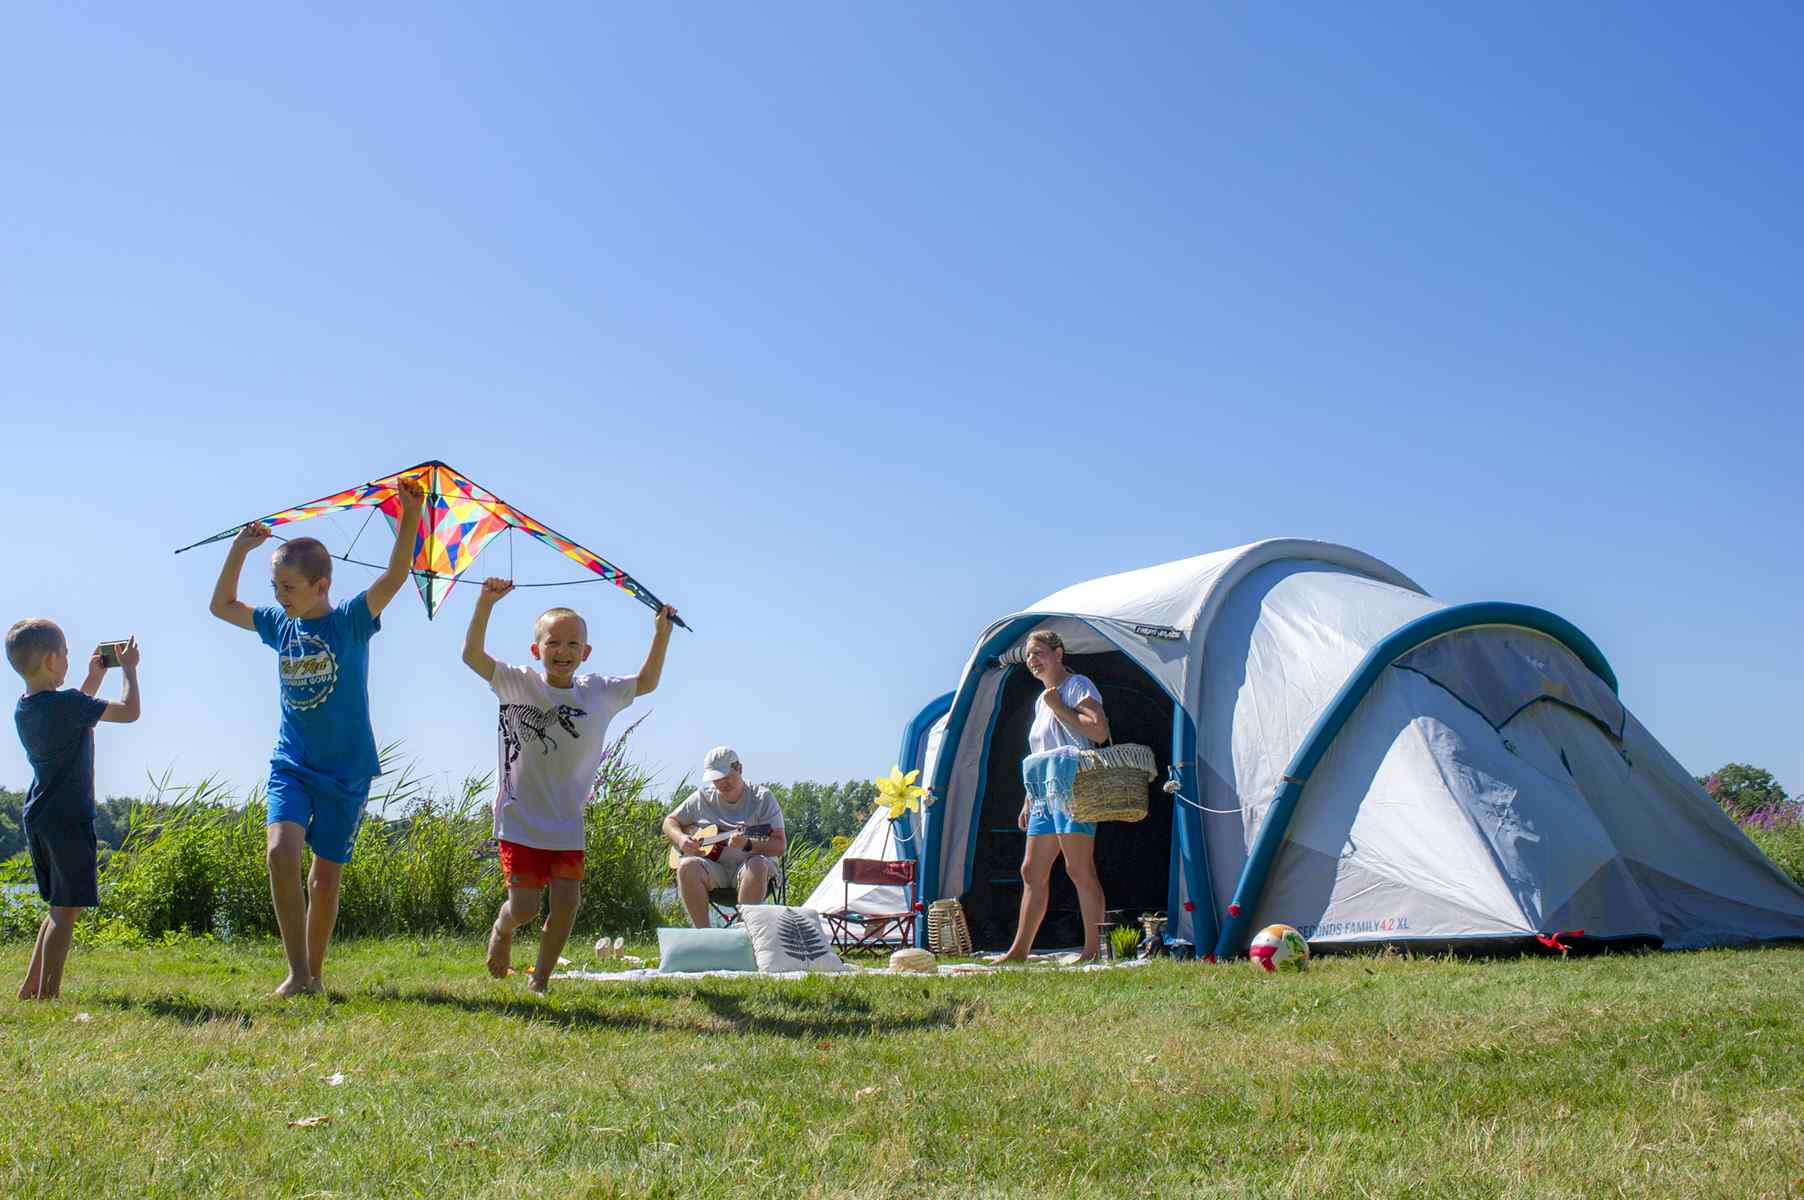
718	763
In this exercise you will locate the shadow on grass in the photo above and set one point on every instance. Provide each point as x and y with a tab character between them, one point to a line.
190	1010
805	1017
185	1010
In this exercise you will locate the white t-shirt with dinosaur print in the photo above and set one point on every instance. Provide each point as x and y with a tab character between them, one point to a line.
550	743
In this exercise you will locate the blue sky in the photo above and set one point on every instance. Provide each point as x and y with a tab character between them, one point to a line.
851	327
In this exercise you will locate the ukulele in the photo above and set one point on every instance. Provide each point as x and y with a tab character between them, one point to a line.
714	839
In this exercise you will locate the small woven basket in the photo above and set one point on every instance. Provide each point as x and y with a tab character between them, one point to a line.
947	932
1111	783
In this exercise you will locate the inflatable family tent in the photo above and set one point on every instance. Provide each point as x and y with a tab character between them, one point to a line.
1340	752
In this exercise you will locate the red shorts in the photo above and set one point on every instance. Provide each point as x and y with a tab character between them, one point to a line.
531	867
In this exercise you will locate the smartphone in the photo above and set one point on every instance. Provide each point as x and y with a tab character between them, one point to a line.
110	651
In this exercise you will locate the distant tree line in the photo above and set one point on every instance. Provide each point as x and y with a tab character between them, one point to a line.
1747	792
109	823
819	812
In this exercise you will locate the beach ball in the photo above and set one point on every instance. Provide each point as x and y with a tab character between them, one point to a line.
1279	947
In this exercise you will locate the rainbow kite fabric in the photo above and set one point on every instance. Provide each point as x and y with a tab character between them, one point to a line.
458	520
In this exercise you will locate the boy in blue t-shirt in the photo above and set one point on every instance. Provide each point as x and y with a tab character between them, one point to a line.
325	757
57	727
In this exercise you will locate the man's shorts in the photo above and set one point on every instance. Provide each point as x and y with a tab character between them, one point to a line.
328	809
530	867
63	858
720	875
1043	819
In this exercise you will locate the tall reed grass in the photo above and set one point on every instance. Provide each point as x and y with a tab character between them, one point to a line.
192	861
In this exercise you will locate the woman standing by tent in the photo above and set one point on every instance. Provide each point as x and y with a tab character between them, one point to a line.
1067	714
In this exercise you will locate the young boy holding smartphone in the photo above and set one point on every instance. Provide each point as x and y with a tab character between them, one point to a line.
56	725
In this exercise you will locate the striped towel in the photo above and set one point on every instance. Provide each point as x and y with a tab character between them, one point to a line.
1048	777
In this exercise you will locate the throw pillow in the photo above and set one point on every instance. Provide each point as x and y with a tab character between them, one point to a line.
682	950
789	939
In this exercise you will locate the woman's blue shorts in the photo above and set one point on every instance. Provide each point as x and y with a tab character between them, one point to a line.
1043	819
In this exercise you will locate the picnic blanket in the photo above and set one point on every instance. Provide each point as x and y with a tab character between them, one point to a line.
1038	962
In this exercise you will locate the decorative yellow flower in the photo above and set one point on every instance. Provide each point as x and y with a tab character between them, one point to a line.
900	793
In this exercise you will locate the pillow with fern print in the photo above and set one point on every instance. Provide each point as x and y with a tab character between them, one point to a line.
789	939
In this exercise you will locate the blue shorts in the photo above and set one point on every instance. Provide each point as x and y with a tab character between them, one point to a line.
328	809
64	859
1043	819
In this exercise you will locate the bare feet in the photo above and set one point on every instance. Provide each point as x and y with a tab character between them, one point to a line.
501	951
296	987
536	982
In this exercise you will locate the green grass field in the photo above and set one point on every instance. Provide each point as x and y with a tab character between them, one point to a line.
1638	1075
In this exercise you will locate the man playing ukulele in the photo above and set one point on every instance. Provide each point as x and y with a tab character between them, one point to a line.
747	859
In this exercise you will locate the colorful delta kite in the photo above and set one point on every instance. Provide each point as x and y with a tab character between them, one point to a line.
458	520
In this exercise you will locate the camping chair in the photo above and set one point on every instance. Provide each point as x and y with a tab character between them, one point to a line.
724	902
872	931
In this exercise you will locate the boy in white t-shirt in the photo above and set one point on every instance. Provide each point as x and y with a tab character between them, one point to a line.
553	729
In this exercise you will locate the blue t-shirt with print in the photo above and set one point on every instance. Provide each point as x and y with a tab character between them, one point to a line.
324	665
57	729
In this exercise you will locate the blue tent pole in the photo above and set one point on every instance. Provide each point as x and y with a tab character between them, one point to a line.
912	735
1190	841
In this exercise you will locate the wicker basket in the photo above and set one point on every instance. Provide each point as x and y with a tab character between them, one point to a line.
1111	783
947	932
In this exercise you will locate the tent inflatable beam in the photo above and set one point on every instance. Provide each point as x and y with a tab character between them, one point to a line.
1276	828
917	729
1189	857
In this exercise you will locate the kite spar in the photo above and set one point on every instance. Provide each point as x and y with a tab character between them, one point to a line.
457	521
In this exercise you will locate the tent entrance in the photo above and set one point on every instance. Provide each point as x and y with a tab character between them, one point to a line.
1133	860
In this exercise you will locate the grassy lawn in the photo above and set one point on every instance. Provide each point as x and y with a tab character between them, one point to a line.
1656	1075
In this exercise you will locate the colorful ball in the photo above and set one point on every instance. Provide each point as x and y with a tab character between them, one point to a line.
1279	947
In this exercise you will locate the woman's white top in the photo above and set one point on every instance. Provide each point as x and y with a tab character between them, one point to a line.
1047	731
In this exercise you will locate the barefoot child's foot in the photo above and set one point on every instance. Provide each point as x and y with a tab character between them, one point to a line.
536	982
501	951
292	987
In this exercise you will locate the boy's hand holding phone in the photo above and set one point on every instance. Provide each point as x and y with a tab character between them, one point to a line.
114	654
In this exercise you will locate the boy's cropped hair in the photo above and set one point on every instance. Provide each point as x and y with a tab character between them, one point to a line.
29	641
307	555
557	614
